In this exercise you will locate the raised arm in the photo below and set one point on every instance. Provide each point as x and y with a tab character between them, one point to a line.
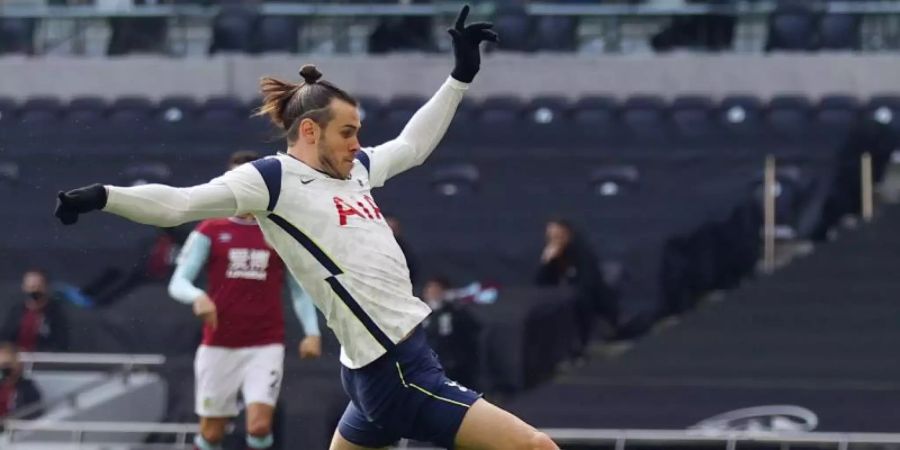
239	191
429	124
419	137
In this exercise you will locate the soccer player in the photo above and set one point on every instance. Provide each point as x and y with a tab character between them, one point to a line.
315	207
243	335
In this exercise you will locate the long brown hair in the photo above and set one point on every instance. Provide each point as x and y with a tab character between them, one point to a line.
287	104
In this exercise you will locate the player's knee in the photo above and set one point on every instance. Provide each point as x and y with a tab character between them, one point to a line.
540	441
213	434
259	428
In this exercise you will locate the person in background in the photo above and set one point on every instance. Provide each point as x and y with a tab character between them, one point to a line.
568	260
243	334
16	390
37	323
453	331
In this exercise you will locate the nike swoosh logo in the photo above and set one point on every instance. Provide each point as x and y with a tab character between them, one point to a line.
307	181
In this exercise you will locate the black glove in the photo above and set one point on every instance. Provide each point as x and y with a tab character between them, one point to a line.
466	40
79	201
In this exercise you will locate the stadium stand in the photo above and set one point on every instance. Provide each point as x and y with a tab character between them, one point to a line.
664	177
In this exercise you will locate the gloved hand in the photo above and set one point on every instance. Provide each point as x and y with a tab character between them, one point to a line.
466	39
79	201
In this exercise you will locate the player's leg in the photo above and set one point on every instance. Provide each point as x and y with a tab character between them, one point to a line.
262	382
217	381
259	425
487	427
212	433
356	432
339	443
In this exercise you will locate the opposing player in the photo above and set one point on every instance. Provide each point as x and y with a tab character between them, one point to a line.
315	207
243	335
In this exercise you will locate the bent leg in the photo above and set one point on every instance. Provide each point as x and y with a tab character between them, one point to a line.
487	427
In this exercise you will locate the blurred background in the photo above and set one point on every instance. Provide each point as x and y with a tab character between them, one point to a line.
652	224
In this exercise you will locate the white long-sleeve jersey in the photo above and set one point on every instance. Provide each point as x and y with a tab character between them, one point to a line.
330	232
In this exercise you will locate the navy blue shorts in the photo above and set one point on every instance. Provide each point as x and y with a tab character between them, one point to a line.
403	394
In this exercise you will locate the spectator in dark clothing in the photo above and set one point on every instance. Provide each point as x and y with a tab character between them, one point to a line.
568	260
404	247
37	323
454	332
16	391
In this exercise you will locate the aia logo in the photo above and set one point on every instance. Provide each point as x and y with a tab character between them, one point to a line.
364	209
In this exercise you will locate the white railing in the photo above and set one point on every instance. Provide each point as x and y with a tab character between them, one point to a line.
77	430
94	359
563	436
621	437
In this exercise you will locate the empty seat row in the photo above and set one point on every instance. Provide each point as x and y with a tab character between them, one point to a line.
541	110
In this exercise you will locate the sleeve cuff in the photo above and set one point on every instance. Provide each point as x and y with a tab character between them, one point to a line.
111	198
456	84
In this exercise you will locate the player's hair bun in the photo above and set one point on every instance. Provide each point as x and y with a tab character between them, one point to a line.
310	74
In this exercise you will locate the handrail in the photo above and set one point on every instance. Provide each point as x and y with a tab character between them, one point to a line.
587	436
104	359
560	435
101	426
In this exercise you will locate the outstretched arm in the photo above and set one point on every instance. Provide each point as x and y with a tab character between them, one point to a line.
166	206
429	124
239	191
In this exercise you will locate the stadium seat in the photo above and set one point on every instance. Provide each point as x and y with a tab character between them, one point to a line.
233	29
884	109
740	115
174	121
789	115
7	111
594	119
548	123
645	117
556	33
498	120
500	110
126	111
837	113
223	110
455	179
176	109
40	110
792	27
692	117
614	180
276	34
16	35
839	32
85	117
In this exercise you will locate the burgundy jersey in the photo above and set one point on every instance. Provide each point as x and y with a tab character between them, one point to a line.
245	279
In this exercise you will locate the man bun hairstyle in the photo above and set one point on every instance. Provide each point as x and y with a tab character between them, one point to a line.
287	104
